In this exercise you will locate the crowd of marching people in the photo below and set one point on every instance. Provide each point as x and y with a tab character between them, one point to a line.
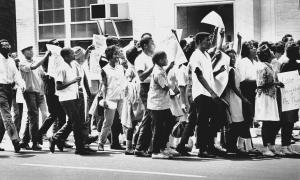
156	103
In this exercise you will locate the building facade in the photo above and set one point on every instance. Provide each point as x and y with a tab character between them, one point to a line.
69	21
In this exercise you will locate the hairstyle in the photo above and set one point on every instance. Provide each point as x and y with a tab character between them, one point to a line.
269	44
263	53
254	43
183	43
278	47
245	52
3	40
292	51
189	49
65	52
158	56
285	38
109	52
144	41
146	34
111	41
200	37
132	54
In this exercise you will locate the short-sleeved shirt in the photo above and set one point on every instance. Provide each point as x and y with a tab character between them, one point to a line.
32	77
158	98
67	73
116	82
247	69
143	63
182	75
204	63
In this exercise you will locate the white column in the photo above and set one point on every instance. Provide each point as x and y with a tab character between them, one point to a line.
67	11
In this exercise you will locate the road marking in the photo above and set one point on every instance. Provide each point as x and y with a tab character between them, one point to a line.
114	170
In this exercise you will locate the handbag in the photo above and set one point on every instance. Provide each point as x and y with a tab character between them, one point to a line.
178	129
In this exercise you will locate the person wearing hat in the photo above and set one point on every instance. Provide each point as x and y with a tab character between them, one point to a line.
9	76
32	72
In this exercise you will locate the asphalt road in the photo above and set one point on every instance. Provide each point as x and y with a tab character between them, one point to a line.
110	165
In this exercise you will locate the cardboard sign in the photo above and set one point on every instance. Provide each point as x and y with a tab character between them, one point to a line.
221	80
290	94
214	19
55	60
99	41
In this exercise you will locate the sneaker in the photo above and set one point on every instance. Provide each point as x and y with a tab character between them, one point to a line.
100	147
16	146
285	151
36	147
159	156
274	151
167	153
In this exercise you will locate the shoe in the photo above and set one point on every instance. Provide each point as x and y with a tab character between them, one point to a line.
88	149
16	146
173	152
51	145
267	152
205	154
293	152
159	156
117	147
1	149
285	151
217	151
274	151
66	145
100	147
183	151
255	151
141	153
25	146
167	153
92	139
129	152
82	152
36	147
60	145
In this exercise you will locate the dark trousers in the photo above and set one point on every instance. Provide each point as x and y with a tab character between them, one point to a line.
287	121
57	116
6	123
248	90
189	128
237	129
211	117
145	134
162	124
18	111
74	123
129	131
32	124
269	131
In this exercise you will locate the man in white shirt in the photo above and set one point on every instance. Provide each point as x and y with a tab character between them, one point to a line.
67	86
32	72
144	66
208	105
9	76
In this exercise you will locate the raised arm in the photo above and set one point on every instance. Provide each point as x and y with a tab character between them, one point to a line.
37	64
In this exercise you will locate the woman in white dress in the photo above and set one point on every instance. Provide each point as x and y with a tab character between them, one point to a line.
266	108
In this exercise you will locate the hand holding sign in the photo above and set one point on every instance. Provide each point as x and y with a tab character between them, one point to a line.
214	19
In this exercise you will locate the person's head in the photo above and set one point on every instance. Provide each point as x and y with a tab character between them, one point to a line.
160	58
287	38
110	40
146	35
203	40
79	54
183	43
27	52
132	54
67	54
248	50
147	45
278	49
113	54
14	55
232	54
292	51
4	47
189	49
264	54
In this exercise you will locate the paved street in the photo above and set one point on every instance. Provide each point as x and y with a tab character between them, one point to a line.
110	165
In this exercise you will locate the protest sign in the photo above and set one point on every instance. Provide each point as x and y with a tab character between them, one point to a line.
99	41
55	60
221	80
214	19
290	94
